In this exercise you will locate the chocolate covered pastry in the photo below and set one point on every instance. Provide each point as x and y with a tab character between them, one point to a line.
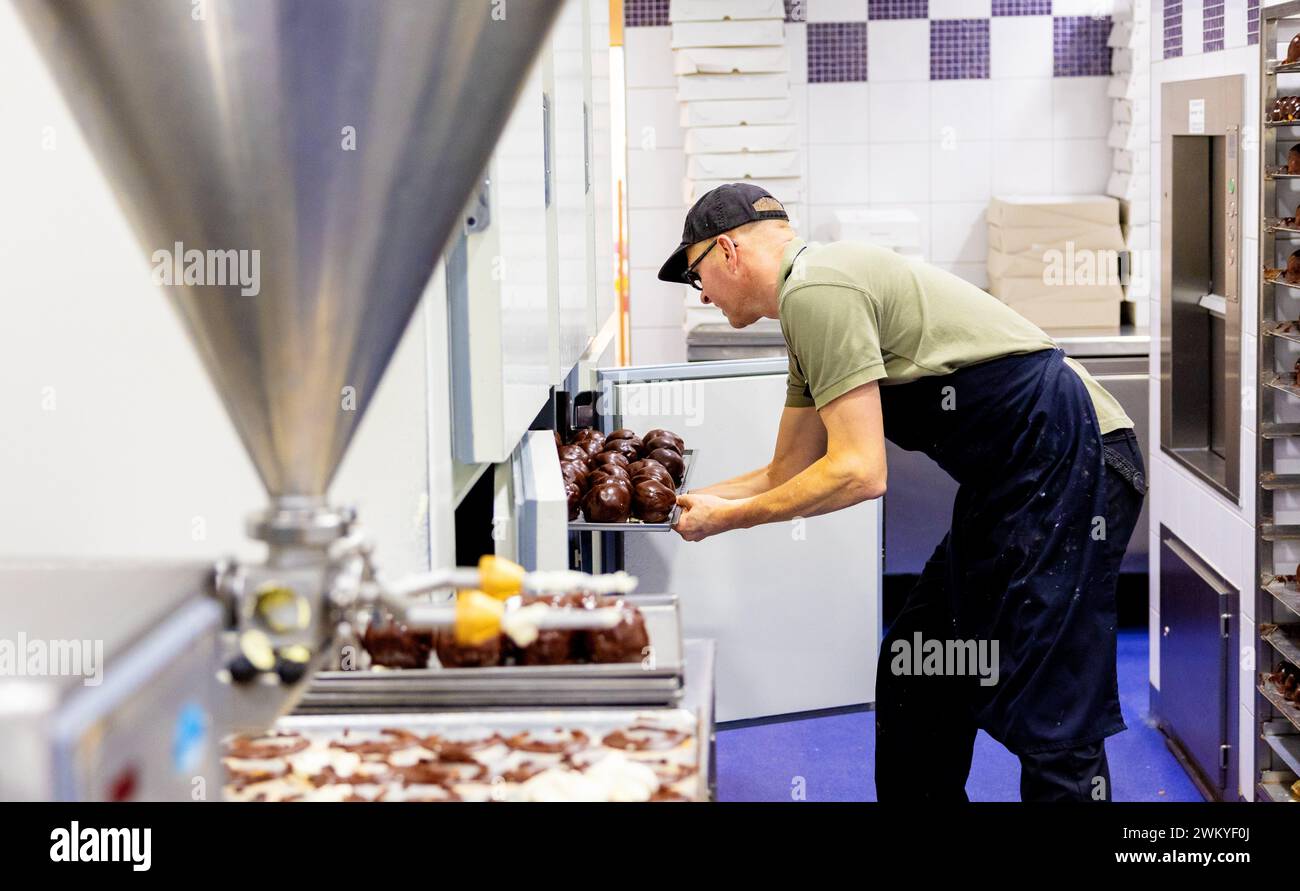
453	654
616	458
395	646
623	433
557	742
573	472
625	642
630	449
574	453
1292	51
573	492
672	461
608	502
652	501
658	473
659	433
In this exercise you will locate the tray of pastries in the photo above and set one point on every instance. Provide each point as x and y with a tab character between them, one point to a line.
637	662
575	755
622	481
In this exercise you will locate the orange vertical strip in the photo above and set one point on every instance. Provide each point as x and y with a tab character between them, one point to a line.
615	22
621	286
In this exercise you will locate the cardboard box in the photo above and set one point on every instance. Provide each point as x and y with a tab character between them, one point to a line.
1039	240
1069	264
712	87
1053	211
737	112
719	10
787	190
731	60
1053	314
1032	290
745	33
743	165
766	138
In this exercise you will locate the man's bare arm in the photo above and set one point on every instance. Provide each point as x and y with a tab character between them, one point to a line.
800	440
851	470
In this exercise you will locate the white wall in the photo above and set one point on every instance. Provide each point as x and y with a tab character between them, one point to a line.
938	148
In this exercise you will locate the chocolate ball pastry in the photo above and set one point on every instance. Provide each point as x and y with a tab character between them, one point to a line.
622	433
611	470
457	655
672	462
629	448
574	453
652	501
1293	51
582	434
573	472
662	442
611	458
592	446
624	484
608	502
573	492
656	472
396	646
625	642
659	433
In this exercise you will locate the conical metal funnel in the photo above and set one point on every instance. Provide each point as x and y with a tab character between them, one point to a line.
337	139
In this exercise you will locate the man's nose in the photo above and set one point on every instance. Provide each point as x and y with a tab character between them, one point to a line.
704	298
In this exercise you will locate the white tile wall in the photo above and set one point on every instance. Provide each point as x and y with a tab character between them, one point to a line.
939	149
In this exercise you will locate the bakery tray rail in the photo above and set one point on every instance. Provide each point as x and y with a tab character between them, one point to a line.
1283	592
1282	638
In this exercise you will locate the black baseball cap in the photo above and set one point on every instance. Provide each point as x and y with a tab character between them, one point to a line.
718	211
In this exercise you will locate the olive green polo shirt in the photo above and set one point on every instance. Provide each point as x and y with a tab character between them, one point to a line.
854	313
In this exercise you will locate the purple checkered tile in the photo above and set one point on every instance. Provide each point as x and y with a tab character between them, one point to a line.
898	9
1252	22
1079	46
837	52
1173	28
959	49
645	13
1212	27
1022	7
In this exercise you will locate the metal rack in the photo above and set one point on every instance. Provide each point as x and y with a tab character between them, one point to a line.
1277	497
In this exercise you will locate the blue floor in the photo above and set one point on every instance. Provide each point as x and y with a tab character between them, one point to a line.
835	755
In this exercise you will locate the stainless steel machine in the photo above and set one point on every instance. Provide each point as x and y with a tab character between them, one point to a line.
1200	291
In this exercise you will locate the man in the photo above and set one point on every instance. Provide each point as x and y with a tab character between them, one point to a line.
1051	483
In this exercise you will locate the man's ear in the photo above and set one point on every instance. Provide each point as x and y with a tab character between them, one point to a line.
730	251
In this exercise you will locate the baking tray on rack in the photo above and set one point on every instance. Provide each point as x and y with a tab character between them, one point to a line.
688	458
656	681
596	723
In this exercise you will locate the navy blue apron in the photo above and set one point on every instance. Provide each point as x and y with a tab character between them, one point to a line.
1025	568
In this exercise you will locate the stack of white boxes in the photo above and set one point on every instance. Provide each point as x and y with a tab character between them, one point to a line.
733	82
1130	138
1055	260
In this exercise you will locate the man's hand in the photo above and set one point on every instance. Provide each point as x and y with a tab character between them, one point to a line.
702	516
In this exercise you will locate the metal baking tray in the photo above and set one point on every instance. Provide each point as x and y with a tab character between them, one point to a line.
595	722
688	457
587	684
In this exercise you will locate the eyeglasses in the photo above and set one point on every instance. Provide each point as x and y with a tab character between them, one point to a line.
690	276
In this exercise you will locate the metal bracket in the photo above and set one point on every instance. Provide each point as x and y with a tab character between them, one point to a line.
479	215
